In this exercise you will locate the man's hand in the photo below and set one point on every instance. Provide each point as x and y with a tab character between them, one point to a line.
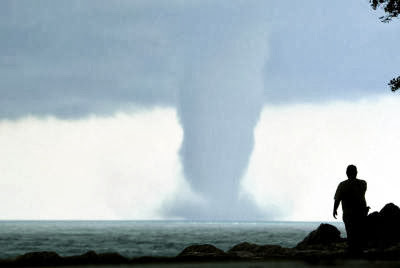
335	207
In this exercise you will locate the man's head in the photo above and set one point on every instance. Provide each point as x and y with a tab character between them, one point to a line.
351	172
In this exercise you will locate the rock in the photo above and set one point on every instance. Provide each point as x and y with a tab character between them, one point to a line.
245	246
325	235
91	257
392	253
39	258
373	230
389	253
390	227
383	227
248	250
202	251
382	230
390	212
112	258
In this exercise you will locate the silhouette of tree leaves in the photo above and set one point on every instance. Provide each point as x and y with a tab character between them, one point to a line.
394	84
392	10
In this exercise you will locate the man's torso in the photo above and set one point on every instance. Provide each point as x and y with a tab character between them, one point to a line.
351	193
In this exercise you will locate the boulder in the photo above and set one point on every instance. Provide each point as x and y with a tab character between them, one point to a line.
91	257
249	250
325	235
202	251
112	258
381	230
383	227
39	258
390	212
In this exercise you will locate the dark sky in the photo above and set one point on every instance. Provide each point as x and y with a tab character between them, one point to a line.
72	58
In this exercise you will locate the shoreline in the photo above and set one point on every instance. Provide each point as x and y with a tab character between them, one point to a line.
241	255
151	262
259	264
322	246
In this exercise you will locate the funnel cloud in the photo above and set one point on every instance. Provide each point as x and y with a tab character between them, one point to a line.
219	103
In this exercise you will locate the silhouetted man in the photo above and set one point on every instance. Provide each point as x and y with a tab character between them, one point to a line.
351	193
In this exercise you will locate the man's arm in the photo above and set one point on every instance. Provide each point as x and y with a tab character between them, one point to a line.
338	197
367	208
335	207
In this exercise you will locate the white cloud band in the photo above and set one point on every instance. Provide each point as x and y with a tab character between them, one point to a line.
119	167
302	151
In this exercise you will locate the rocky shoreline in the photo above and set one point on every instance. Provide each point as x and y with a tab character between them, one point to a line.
321	245
209	253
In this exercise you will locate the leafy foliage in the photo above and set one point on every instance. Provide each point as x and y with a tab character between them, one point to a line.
391	8
394	84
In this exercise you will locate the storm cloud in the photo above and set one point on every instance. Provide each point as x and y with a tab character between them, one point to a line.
217	63
74	58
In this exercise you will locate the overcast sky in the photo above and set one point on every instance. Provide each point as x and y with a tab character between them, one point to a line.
194	109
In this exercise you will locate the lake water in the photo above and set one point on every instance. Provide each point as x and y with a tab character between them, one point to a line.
143	238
